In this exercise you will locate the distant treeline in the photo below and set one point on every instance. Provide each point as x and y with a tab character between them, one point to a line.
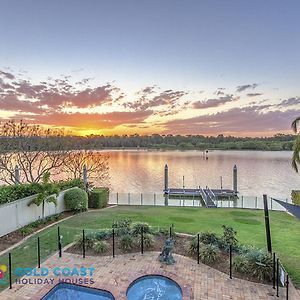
171	142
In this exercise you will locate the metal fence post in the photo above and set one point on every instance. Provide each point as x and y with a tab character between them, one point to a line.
256	202
117	198
128	198
271	203
287	286
242	201
39	252
198	248
59	241
141	199
230	261
170	232
274	270
83	243
154	199
113	237
277	278
142	240
9	265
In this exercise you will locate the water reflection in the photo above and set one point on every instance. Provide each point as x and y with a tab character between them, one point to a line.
258	172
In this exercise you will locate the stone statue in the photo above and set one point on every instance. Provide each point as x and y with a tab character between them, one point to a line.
166	255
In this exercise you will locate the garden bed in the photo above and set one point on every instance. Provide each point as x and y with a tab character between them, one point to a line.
14	237
100	243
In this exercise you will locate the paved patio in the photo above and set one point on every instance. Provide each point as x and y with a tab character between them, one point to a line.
115	274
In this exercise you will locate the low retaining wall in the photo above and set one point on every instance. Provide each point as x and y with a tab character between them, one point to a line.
16	214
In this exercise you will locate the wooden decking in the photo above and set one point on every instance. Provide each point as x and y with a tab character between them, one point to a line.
209	196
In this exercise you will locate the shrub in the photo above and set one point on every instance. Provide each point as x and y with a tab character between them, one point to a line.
9	193
67	184
259	264
229	235
14	192
208	238
100	246
126	242
89	241
296	197
103	234
254	262
76	199
160	231
240	264
137	228
27	230
122	226
148	240
193	246
209	253
98	198
244	249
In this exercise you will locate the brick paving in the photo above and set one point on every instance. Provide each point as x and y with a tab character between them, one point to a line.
115	274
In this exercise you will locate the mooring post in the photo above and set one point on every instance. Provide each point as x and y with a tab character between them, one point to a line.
235	189
166	178
267	223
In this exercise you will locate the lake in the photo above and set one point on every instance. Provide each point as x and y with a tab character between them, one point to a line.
259	172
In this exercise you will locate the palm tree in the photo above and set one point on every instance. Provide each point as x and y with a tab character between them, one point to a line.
296	147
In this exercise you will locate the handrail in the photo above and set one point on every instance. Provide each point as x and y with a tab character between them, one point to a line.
204	196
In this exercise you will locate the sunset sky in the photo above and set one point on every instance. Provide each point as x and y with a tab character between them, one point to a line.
160	66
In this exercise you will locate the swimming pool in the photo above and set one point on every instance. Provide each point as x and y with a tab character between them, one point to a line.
154	287
68	291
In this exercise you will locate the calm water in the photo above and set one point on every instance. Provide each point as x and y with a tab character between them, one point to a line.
258	172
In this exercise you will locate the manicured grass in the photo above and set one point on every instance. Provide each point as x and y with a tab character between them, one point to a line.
249	224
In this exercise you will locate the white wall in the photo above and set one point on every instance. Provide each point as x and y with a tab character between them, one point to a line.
17	214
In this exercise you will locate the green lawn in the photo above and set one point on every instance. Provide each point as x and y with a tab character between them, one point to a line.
249	224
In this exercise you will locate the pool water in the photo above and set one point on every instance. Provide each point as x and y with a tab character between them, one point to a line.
65	291
154	287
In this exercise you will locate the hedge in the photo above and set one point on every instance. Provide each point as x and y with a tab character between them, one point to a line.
10	193
98	197
76	199
296	197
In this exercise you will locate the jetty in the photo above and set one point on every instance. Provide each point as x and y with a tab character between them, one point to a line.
210	196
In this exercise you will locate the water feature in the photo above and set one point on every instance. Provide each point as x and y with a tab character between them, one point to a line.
154	287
